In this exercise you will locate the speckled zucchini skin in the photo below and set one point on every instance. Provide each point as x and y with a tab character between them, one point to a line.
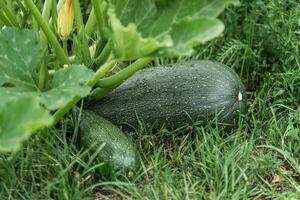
179	94
118	150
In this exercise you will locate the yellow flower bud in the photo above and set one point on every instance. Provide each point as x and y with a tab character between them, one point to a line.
65	19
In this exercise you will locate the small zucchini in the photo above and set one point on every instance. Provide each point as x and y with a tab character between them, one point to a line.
117	149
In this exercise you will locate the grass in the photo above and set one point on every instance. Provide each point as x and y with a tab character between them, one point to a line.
259	159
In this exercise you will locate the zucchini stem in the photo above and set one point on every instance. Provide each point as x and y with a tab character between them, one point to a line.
104	55
101	72
43	73
81	34
99	16
124	74
78	16
9	13
46	15
90	24
4	19
21	6
99	93
48	32
118	78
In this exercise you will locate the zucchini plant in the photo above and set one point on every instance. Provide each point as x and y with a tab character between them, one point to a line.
47	64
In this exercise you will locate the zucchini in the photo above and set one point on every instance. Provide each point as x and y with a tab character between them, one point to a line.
178	94
117	149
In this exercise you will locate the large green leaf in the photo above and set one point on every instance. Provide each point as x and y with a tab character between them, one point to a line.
67	84
19	118
140	28
24	107
20	54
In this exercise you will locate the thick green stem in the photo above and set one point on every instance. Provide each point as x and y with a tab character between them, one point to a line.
21	6
116	80
35	25
99	93
10	6
43	72
46	15
83	50
105	53
61	112
4	19
99	16
99	74
47	9
124	74
90	24
48	32
78	17
10	15
65	46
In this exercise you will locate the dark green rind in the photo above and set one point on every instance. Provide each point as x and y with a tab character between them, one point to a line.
118	149
184	92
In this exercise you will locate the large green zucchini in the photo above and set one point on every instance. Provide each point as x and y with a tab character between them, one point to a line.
116	149
179	94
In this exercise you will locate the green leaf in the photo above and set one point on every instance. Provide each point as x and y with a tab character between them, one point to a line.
11	93
66	85
20	55
24	108
190	32
19	118
153	27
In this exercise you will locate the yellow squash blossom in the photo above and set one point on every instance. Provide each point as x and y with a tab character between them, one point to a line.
65	19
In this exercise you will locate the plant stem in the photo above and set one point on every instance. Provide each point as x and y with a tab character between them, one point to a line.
43	72
4	19
65	46
118	78
78	17
99	74
47	9
61	112
90	24
21	5
48	32
35	25
10	6
105	53
99	93
124	74
81	35
99	16
46	15
10	15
